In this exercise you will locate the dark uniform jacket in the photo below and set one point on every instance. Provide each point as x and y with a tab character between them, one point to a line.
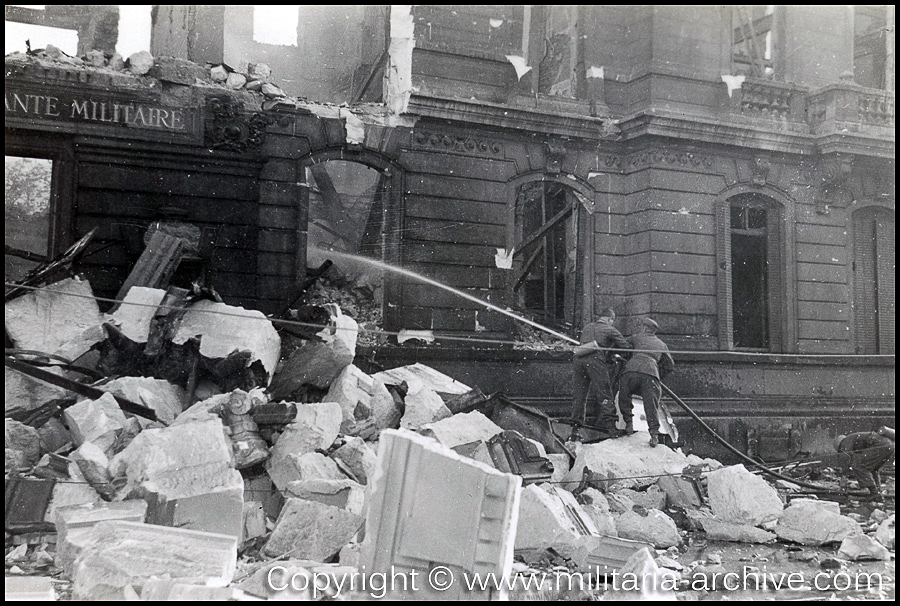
864	440
650	363
605	335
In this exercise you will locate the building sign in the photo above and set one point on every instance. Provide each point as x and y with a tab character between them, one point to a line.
85	112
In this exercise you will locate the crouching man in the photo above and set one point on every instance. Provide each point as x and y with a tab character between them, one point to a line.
868	452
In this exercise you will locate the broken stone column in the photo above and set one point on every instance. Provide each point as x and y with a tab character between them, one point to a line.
650	525
311	530
225	330
462	429
74	524
811	524
100	421
62	318
357	458
429	506
120	555
627	462
247	445
366	403
738	496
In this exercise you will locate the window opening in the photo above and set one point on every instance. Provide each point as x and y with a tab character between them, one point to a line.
749	277
28	195
873	281
752	40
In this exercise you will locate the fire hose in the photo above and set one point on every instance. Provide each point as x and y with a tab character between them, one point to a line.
744	457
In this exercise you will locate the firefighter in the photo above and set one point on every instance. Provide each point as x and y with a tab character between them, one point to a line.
642	376
868	452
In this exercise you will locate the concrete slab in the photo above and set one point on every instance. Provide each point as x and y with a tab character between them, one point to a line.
345	494
134	315
31	589
167	399
419	374
24	442
650	525
306	466
357	457
809	524
24	394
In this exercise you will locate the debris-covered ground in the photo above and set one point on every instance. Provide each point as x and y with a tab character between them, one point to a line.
265	456
176	447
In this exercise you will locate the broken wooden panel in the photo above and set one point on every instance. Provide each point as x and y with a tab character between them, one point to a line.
432	507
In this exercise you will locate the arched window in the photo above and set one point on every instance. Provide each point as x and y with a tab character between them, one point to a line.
873	280
547	270
752	289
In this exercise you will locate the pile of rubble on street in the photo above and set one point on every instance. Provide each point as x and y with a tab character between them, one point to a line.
195	451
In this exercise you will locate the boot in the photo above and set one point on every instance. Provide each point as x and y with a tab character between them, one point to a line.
629	428
654	440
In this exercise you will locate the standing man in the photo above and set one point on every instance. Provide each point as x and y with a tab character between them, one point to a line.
649	364
868	452
592	369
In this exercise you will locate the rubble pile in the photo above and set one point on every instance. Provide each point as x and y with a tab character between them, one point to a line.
190	484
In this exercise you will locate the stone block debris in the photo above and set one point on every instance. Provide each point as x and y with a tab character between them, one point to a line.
863	547
311	530
135	315
356	458
463	428
718	530
886	533
366	403
738	496
74	525
345	494
99	421
648	580
431	506
25	395
810	523
306	466
648	525
416	375
23	445
62	318
225	330
629	461
30	589
120	557
164	398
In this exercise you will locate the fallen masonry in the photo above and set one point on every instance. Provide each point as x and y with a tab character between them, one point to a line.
275	446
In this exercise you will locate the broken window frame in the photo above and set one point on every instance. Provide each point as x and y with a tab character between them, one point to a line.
873	251
777	338
754	42
529	249
873	42
393	180
60	232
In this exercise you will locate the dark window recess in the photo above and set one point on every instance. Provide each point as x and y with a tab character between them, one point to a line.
873	281
749	277
545	267
28	214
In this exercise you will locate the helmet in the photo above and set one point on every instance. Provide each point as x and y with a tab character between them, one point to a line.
837	442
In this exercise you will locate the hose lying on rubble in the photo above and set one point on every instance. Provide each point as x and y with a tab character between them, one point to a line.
744	457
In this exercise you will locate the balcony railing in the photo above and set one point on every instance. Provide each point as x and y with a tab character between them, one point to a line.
850	104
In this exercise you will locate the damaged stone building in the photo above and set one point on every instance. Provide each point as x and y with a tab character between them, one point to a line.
728	171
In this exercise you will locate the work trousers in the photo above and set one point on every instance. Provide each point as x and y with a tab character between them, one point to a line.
646	386
593	371
867	463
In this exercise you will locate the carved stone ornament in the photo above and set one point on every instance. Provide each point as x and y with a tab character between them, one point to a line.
759	170
460	144
230	128
834	190
555	156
